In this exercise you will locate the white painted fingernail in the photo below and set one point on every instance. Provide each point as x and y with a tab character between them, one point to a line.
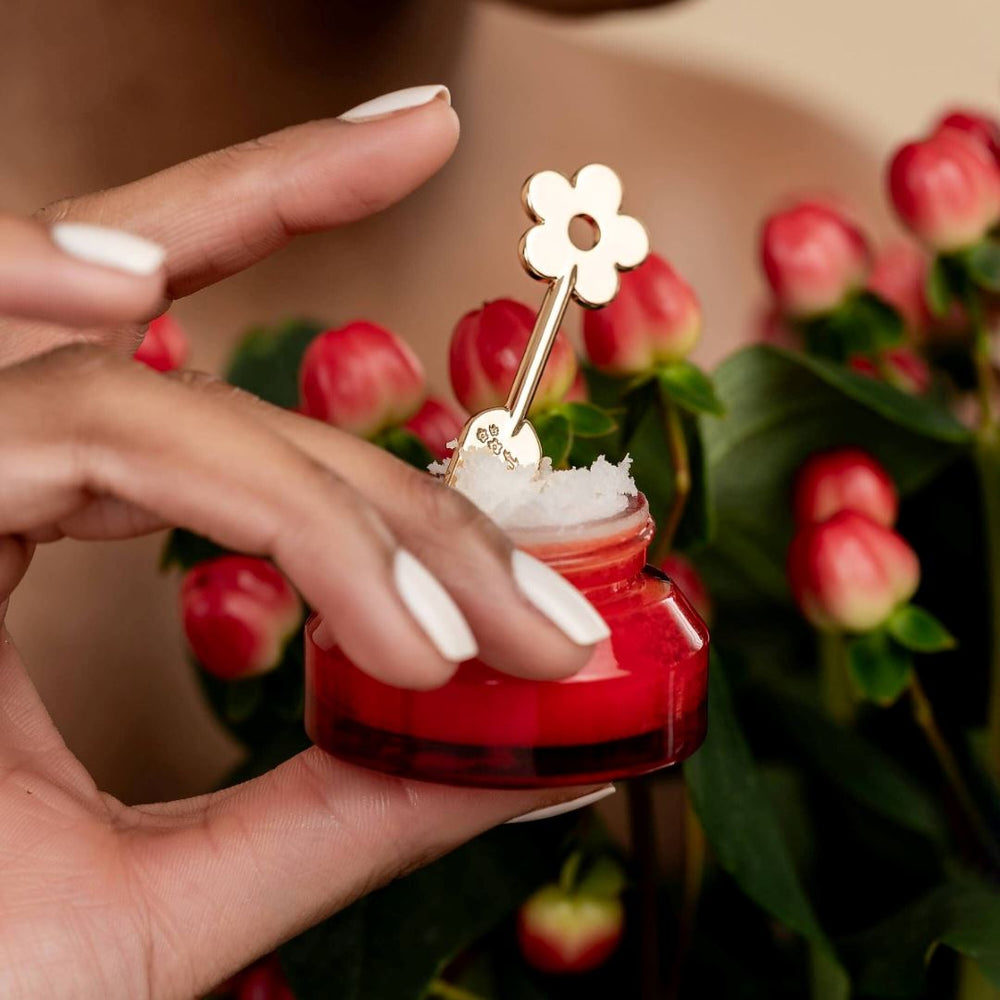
398	100
564	807
558	600
108	247
432	606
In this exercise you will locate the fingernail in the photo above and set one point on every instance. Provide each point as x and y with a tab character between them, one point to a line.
558	600
564	807
108	247
432	606
398	100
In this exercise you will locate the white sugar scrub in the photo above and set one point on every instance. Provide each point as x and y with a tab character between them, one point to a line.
526	498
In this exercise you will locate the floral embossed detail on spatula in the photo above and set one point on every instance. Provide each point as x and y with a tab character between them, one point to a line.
587	274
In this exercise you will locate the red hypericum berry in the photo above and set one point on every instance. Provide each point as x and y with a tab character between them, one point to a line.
165	347
655	319
561	931
899	276
982	127
682	571
361	378
265	980
486	349
813	257
946	189
436	423
902	367
239	613
849	573
844	479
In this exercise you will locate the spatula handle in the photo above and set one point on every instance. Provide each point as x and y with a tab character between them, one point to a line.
543	336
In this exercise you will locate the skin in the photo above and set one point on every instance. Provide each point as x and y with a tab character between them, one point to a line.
165	900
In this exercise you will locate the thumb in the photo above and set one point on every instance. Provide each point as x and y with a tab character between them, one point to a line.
235	873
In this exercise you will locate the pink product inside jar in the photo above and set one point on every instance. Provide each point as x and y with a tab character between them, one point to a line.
638	704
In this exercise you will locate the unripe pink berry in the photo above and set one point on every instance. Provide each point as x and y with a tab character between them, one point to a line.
561	932
578	391
946	189
682	571
982	127
436	423
899	277
902	367
264	980
239	613
849	573
361	378
165	346
844	479
486	349
655	319
813	257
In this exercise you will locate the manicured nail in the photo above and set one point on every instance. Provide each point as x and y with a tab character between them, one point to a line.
108	247
564	807
558	600
432	606
398	100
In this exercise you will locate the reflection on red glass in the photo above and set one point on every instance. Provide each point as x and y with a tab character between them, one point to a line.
638	705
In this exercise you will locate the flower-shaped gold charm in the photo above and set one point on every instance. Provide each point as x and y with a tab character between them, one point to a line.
547	250
588	275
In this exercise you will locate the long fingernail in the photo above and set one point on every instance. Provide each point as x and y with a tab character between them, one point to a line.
564	807
398	100
558	600
108	247
432	606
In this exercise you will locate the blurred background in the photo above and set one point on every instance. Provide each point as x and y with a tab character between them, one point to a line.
711	110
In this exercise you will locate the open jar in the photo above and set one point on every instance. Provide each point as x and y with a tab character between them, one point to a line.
636	706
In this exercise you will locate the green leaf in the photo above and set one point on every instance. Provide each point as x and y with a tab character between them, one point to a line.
267	359
938	288
846	759
556	436
881	668
983	262
394	942
588	420
690	388
891	958
881	323
405	445
781	407
739	820
919	630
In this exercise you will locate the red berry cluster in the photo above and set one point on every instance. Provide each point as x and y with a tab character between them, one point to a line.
847	568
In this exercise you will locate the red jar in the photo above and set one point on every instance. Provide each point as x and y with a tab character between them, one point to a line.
638	704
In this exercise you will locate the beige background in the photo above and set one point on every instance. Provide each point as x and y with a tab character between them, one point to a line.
876	64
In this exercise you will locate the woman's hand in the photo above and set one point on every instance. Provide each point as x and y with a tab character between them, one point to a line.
100	899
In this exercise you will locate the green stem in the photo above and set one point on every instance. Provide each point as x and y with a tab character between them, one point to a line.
835	680
988	465
972	984
694	873
923	715
677	448
642	829
449	991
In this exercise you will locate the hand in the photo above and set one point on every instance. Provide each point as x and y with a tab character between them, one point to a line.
100	899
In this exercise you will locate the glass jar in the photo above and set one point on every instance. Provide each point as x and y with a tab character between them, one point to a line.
637	705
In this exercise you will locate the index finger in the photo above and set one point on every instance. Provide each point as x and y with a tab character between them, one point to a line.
222	212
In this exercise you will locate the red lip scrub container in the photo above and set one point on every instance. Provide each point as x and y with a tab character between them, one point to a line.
638	704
